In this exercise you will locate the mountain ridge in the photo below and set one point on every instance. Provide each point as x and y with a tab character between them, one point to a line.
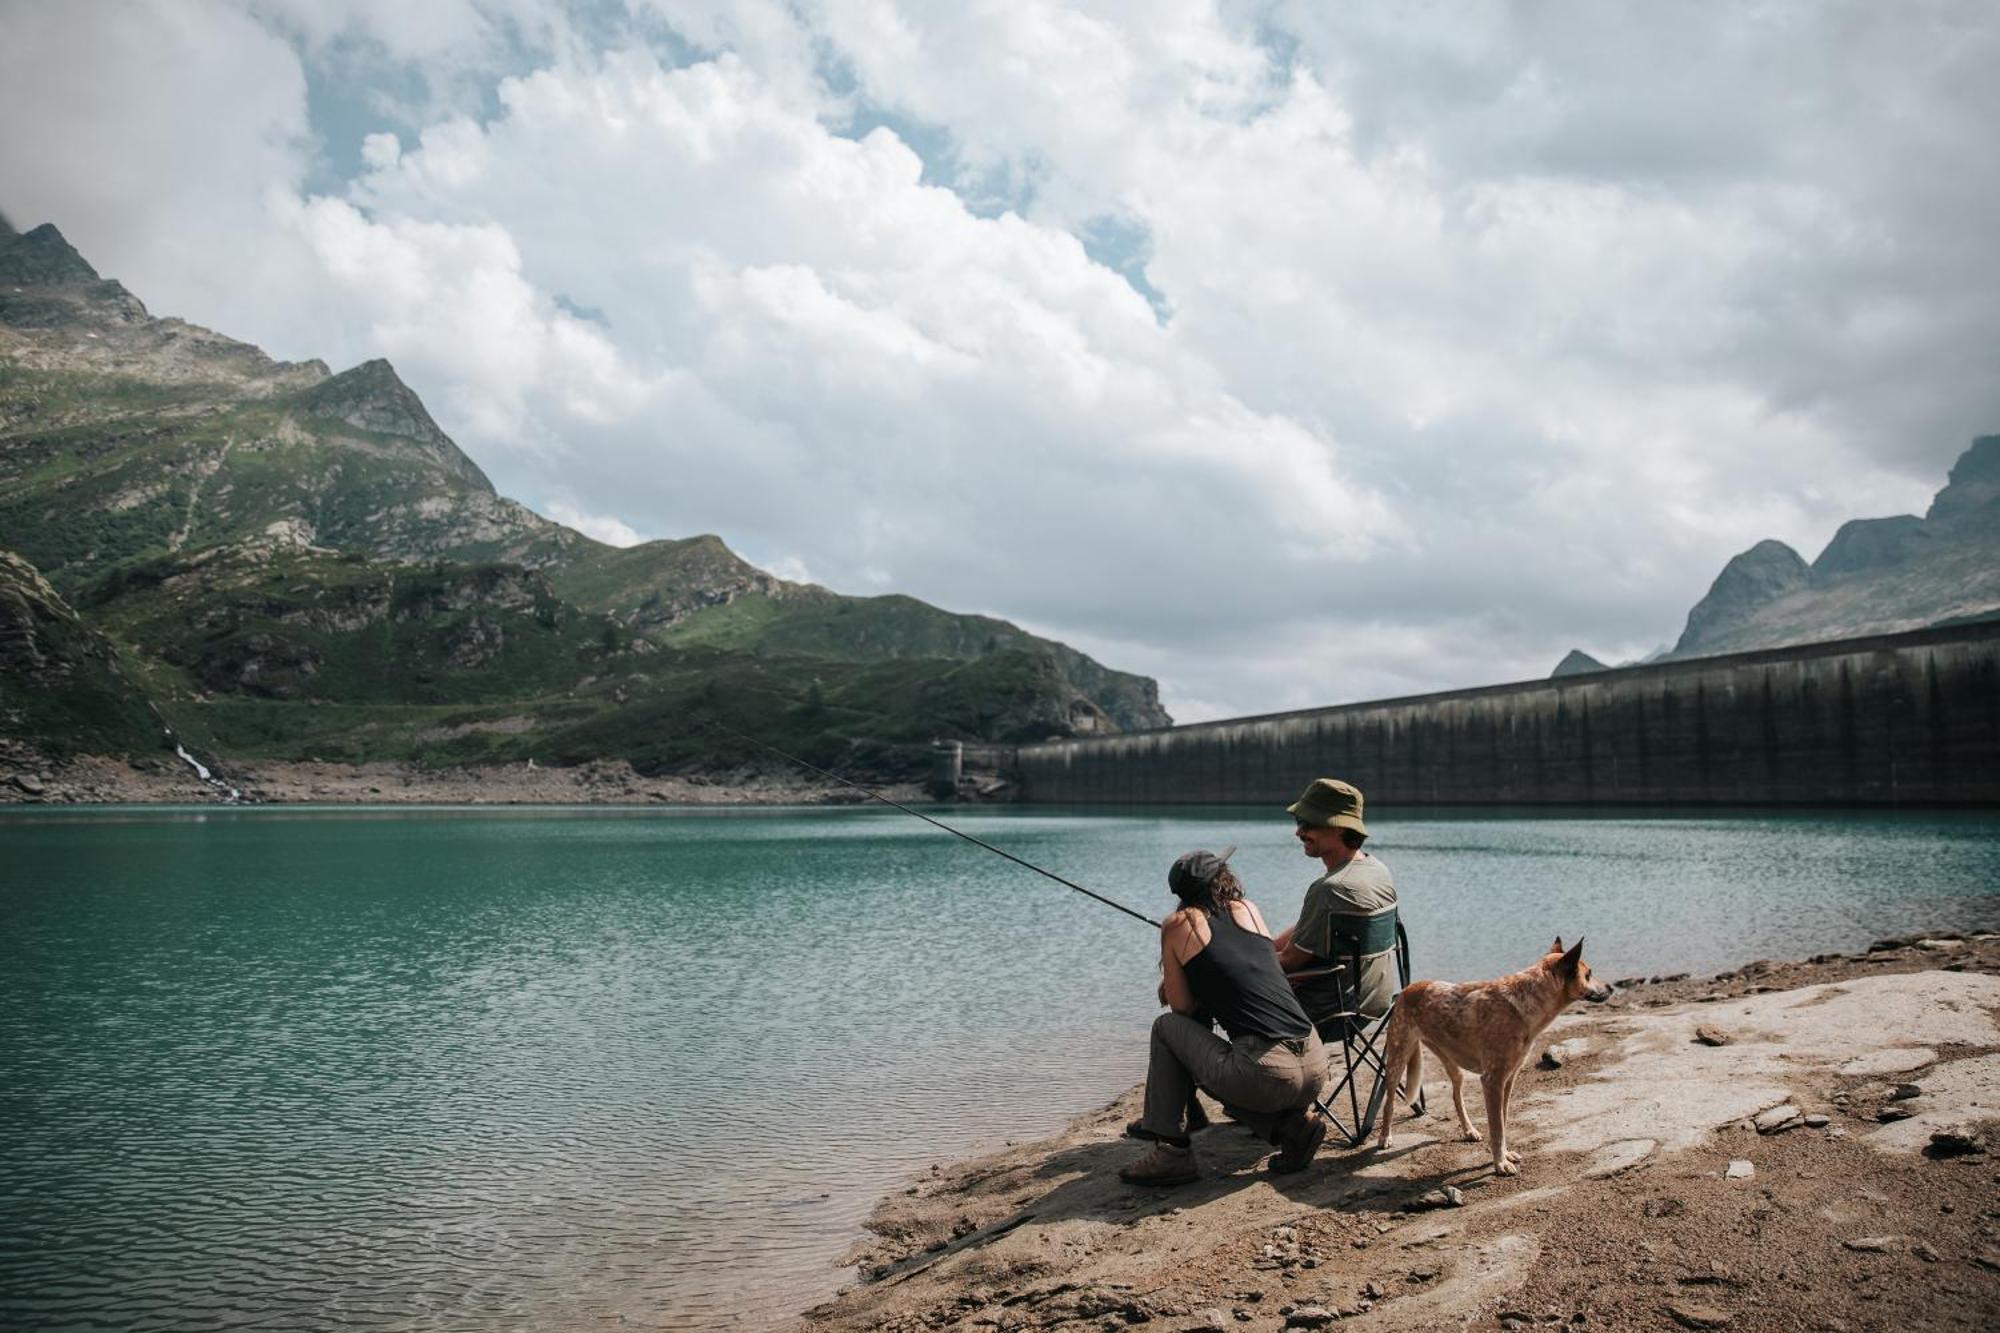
1876	575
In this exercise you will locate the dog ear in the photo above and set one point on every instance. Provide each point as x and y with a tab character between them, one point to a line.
1557	947
1571	959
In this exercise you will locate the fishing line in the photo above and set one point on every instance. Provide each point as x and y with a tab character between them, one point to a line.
956	833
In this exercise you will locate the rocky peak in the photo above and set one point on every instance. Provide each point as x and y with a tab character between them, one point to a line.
7	232
42	258
372	397
1974	483
1760	575
1576	663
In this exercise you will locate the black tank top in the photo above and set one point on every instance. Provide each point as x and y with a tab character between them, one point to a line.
1237	981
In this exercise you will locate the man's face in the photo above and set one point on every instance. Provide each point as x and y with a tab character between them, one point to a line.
1315	841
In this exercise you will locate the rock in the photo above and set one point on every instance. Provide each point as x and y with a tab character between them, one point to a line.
1778	1119
1924	1252
1902	1092
1740	1169
1616	1158
1561	1053
1310	1316
1424	1274
1818	1121
29	784
1874	1244
1955	1143
1698	1316
1937	946
1710	1035
1372	1290
1892	1113
1212	1320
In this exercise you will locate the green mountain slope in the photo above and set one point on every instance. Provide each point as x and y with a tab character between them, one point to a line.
61	682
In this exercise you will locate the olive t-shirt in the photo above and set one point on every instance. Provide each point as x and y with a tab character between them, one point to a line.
1362	887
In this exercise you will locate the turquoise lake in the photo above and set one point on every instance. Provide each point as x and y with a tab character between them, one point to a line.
463	1069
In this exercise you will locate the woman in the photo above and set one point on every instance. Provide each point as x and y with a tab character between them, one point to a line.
1218	962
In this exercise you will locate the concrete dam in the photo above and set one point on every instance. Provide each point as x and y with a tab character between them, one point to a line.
1900	719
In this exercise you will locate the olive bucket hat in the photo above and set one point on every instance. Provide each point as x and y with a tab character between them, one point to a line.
1330	803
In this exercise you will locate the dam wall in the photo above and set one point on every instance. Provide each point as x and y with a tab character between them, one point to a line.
1902	719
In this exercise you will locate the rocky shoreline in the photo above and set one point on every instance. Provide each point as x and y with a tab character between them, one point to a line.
28	778
1807	1145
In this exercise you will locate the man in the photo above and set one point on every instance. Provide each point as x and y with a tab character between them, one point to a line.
1355	885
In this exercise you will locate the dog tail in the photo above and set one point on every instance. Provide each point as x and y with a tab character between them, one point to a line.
1402	1066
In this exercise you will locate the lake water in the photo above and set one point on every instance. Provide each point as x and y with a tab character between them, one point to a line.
535	1069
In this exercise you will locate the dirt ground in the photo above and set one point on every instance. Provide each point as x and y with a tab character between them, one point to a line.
31	779
1849	1216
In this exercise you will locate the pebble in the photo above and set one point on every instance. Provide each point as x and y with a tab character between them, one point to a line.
1873	1244
1710	1035
1818	1121
1698	1316
1740	1169
1891	1113
1310	1316
1372	1290
1778	1119
1924	1252
1424	1274
1211	1320
1448	1197
1902	1092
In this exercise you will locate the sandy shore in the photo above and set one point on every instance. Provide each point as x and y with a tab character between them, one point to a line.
1649	1197
27	778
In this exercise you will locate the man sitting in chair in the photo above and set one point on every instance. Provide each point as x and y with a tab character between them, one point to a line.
1355	885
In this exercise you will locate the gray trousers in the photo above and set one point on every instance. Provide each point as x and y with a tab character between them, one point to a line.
1257	1080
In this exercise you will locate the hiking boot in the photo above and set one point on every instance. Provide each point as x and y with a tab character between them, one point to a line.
1298	1139
1165	1165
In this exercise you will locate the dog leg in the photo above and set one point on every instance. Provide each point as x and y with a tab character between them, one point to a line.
1507	1109
1494	1086
1458	1099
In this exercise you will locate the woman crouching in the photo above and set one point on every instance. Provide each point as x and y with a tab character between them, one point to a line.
1218	963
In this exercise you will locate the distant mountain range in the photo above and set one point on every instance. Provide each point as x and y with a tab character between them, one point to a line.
1877	576
283	562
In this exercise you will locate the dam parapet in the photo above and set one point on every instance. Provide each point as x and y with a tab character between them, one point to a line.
1887	720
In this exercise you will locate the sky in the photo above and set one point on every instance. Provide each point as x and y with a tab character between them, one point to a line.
1289	353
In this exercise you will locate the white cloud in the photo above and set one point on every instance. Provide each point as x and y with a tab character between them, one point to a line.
1488	331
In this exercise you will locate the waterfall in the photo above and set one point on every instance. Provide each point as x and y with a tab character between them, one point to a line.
228	792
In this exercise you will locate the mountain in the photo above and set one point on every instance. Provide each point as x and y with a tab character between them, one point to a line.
1577	662
1877	575
294	561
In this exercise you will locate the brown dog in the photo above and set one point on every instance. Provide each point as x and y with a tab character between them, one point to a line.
1486	1027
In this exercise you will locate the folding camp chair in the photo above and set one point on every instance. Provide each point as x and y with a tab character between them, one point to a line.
1334	998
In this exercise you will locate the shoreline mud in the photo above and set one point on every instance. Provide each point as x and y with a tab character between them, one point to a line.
1806	1145
27	778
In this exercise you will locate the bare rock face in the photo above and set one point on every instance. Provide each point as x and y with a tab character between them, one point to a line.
60	681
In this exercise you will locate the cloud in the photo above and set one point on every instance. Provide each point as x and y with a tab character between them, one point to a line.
1425	343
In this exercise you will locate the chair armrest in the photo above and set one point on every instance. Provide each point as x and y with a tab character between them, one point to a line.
1314	973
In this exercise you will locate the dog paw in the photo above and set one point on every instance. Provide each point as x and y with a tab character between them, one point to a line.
1509	1165
1473	1136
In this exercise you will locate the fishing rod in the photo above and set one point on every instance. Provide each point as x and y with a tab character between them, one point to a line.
956	833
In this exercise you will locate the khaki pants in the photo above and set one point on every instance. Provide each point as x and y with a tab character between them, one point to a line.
1257	1080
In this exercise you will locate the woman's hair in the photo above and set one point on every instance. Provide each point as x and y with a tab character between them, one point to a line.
1213	894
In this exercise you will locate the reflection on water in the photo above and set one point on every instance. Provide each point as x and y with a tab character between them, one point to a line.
410	1069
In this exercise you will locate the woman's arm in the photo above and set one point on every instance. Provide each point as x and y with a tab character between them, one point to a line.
1179	939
